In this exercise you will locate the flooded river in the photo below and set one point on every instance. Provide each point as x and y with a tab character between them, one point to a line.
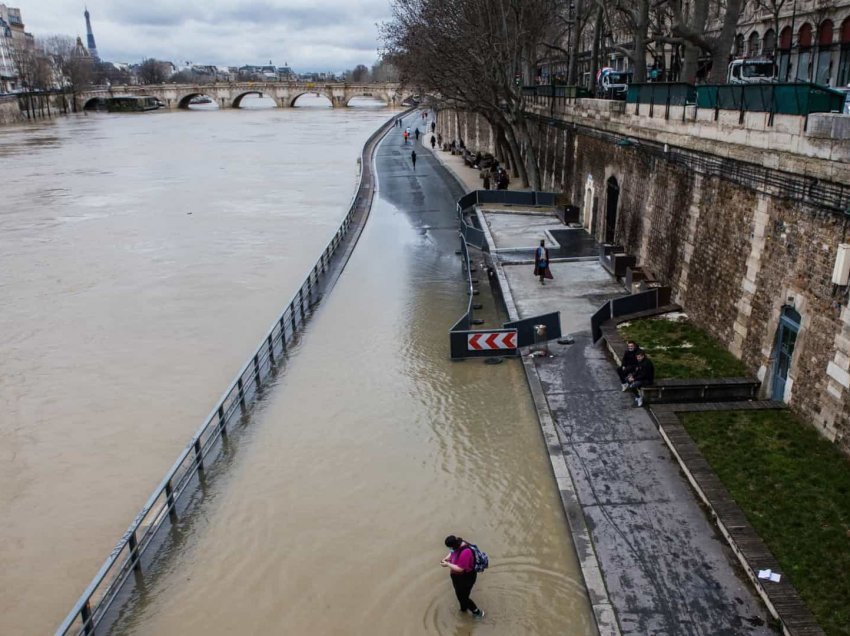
142	259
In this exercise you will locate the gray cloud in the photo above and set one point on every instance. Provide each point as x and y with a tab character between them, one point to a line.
308	34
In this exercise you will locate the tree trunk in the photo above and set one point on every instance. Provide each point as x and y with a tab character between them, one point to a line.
594	56
575	42
690	60
516	154
639	35
723	45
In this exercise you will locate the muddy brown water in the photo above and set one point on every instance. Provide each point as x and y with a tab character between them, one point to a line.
126	317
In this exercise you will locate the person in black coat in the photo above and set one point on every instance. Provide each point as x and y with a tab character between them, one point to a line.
628	363
643	375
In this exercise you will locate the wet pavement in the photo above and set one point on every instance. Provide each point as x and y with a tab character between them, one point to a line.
649	553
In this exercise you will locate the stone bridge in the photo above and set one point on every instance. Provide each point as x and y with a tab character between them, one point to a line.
230	95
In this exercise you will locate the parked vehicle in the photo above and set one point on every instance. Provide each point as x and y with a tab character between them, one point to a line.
612	84
751	71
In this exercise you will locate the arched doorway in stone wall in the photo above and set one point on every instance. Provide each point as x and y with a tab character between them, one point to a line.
612	199
783	351
587	209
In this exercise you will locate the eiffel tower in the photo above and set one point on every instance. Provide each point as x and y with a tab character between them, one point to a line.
90	36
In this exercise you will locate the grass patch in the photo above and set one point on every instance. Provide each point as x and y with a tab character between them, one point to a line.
678	349
794	487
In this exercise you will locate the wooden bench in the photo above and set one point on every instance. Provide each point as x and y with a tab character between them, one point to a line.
701	390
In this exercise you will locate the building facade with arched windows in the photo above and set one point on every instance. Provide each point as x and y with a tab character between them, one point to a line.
808	39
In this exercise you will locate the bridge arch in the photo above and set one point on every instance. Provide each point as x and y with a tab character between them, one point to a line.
319	93
183	102
92	103
367	95
237	101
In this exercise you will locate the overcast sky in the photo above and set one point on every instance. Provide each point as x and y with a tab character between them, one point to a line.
311	35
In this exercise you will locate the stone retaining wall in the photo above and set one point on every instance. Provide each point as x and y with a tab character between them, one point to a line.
733	256
10	113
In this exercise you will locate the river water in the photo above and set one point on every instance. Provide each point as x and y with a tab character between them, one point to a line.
141	260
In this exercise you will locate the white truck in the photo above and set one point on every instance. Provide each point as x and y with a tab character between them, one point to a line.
751	71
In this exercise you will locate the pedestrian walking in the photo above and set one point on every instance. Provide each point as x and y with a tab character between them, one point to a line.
416	132
461	562
433	126
486	178
433	141
413	158
541	263
404	134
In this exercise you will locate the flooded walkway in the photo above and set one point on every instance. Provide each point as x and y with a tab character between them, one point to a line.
371	449
655	564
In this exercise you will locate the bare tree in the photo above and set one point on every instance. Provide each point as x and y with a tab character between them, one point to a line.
77	70
384	71
474	55
151	72
690	22
632	17
360	74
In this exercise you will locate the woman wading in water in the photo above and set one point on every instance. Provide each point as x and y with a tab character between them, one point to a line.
461	562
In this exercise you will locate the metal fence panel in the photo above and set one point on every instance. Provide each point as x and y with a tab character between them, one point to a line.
525	328
784	99
634	302
460	345
596	320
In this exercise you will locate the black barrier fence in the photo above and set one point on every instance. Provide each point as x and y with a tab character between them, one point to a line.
125	562
630	304
460	333
527	328
492	343
465	321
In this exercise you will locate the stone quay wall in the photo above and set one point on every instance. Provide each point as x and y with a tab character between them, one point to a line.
10	113
736	251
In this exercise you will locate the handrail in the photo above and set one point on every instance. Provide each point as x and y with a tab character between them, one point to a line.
97	598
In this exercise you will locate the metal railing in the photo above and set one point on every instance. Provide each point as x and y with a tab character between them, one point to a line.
781	99
659	94
551	94
261	367
471	235
798	98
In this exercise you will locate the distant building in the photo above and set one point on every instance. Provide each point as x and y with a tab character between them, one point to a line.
13	35
8	73
90	37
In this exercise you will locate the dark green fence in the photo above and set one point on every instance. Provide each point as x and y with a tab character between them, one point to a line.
661	95
784	99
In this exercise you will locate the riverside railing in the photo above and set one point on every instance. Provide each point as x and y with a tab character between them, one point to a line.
161	507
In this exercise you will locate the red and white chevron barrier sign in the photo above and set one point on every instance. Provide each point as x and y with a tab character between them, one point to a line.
487	341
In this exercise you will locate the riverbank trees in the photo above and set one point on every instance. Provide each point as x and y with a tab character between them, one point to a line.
475	55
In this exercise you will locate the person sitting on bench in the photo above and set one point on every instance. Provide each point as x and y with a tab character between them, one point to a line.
628	364
643	375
